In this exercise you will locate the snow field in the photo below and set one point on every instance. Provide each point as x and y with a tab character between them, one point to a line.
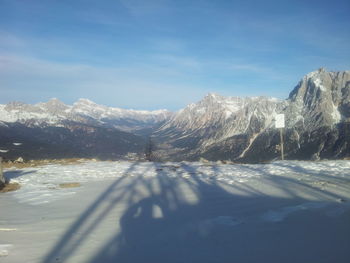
177	212
41	184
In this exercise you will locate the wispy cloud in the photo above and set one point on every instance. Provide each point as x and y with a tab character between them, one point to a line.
169	53
113	85
141	7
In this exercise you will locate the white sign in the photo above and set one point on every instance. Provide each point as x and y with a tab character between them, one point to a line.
279	121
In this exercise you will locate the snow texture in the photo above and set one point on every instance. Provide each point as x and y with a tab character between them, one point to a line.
177	212
54	111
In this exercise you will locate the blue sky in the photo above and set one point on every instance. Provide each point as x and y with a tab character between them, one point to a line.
151	54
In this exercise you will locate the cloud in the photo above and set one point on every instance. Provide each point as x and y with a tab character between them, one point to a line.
116	86
167	78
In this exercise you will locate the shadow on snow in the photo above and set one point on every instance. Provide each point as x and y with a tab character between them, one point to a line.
16	173
176	219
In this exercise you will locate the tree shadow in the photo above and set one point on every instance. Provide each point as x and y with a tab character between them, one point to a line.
88	221
321	175
182	217
16	173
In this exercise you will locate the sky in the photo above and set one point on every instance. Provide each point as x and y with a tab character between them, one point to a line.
156	54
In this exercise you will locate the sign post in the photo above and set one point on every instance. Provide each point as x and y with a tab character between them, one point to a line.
279	124
2	178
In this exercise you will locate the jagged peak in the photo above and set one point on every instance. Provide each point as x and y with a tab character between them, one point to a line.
322	71
260	98
316	73
314	76
233	99
85	101
213	95
54	101
320	79
16	103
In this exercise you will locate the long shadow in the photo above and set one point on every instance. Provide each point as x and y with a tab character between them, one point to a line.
87	222
207	223
16	173
9	175
178	216
292	186
324	174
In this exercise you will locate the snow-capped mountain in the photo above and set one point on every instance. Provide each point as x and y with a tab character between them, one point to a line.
215	119
317	112
217	110
84	129
320	99
55	113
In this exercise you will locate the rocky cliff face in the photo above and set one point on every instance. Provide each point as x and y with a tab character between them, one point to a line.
320	99
215	122
242	129
318	116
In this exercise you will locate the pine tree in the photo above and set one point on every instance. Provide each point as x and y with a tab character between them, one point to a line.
149	150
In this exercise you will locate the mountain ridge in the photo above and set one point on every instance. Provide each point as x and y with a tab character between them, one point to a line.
54	112
319	102
238	129
85	129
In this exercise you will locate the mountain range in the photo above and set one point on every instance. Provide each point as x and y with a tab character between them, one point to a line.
317	114
84	129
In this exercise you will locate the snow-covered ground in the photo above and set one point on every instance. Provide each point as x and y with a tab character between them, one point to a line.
178	212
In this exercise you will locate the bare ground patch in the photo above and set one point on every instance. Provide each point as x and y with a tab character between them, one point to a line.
69	185
10	187
34	163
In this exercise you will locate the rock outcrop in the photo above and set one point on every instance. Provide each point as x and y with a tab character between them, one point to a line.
317	116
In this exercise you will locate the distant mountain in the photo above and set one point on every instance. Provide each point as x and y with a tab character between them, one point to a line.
55	112
85	129
217	121
317	120
317	115
73	140
242	129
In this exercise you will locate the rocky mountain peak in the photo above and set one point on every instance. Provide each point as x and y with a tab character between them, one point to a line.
19	107
54	106
83	101
320	83
321	98
15	105
211	99
213	96
317	114
53	101
55	112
